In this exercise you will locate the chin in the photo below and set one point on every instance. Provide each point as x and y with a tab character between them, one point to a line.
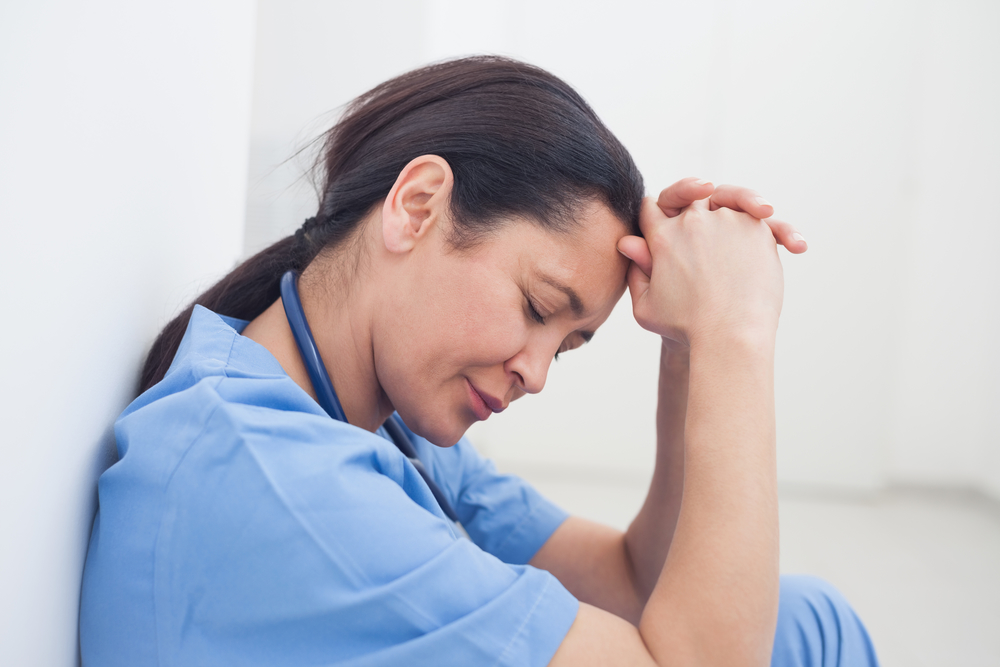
441	432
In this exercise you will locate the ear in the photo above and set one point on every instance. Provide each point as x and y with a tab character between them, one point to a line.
417	201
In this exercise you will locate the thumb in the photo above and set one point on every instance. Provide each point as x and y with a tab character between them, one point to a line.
638	285
635	248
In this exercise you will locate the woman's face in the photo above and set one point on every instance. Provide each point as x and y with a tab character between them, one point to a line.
462	333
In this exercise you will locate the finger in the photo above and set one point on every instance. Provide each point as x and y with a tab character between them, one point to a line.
741	199
650	216
635	248
682	193
704	204
788	236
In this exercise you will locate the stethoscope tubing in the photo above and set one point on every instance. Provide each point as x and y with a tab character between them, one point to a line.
322	385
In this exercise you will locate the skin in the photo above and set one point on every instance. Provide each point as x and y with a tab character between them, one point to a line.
446	336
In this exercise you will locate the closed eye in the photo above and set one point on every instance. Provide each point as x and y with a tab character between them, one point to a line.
533	312
585	335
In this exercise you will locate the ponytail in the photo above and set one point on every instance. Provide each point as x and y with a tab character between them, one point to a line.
244	293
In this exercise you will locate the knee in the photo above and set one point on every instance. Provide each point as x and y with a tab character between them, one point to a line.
803	595
817	626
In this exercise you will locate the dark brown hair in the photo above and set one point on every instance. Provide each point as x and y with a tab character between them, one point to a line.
521	144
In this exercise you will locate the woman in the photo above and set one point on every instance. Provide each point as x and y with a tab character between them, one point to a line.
476	220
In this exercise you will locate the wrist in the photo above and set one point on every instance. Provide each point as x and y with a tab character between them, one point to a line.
755	341
675	358
752	322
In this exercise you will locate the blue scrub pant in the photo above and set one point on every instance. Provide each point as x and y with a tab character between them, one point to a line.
818	628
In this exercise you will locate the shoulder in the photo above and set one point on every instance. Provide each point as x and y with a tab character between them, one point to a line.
225	396
213	351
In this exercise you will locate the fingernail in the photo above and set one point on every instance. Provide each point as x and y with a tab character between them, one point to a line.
798	237
702	181
763	202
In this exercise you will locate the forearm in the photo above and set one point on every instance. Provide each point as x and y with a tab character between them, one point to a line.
711	280
716	599
617	571
648	538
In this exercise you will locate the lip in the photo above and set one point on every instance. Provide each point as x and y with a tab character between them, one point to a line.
483	404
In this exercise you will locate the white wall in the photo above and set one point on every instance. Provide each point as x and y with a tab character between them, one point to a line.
871	125
123	156
946	402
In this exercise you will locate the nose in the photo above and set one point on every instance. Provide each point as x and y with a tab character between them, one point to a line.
530	367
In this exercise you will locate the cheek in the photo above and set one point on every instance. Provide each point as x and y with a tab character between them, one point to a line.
492	327
467	318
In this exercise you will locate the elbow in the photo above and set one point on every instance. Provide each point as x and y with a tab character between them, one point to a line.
713	637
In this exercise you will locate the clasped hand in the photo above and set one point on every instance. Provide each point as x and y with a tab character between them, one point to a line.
707	264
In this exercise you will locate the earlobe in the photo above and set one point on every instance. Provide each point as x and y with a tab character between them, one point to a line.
417	201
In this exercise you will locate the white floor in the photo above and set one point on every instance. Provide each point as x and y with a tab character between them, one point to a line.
921	567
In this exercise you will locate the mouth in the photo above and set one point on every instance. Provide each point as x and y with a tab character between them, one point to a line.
483	405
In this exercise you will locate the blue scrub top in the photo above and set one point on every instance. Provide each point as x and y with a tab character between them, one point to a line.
243	526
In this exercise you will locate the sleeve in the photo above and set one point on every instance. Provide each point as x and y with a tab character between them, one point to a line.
503	514
296	540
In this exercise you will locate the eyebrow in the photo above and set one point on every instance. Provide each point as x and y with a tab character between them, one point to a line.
575	304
